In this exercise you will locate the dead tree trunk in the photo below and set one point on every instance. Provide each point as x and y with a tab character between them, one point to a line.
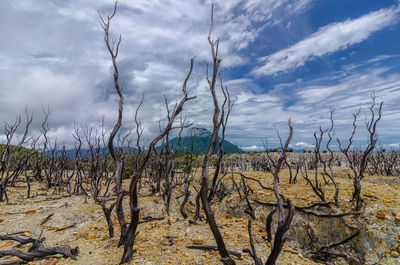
225	258
328	164
128	238
117	175
358	161
284	220
13	159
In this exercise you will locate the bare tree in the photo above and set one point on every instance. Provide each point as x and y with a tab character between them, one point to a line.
168	165
113	49
188	175
98	172
223	121
384	163
129	237
128	231
284	219
358	160
77	171
14	158
225	258
328	162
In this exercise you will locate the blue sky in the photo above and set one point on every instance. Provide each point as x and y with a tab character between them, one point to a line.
281	59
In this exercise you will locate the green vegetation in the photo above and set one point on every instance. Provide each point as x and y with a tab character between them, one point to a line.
200	145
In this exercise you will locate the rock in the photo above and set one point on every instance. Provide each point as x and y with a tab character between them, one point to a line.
198	241
380	215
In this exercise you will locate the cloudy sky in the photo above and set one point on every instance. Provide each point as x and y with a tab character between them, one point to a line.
281	59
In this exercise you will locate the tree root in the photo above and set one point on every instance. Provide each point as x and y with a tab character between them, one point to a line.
302	209
324	253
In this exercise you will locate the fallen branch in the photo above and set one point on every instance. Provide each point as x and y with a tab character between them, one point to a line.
45	220
36	243
18	233
53	199
149	219
37	250
58	229
371	196
66	251
65	227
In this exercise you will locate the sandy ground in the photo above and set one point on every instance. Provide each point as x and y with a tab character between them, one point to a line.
163	242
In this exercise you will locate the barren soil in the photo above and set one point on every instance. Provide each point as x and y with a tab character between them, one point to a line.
164	241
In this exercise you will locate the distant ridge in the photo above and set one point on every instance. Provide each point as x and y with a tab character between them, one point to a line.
201	139
84	153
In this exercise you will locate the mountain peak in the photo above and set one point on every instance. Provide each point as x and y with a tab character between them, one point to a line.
197	140
196	132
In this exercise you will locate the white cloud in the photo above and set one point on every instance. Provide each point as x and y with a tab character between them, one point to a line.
64	64
252	148
328	39
53	54
308	105
303	145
